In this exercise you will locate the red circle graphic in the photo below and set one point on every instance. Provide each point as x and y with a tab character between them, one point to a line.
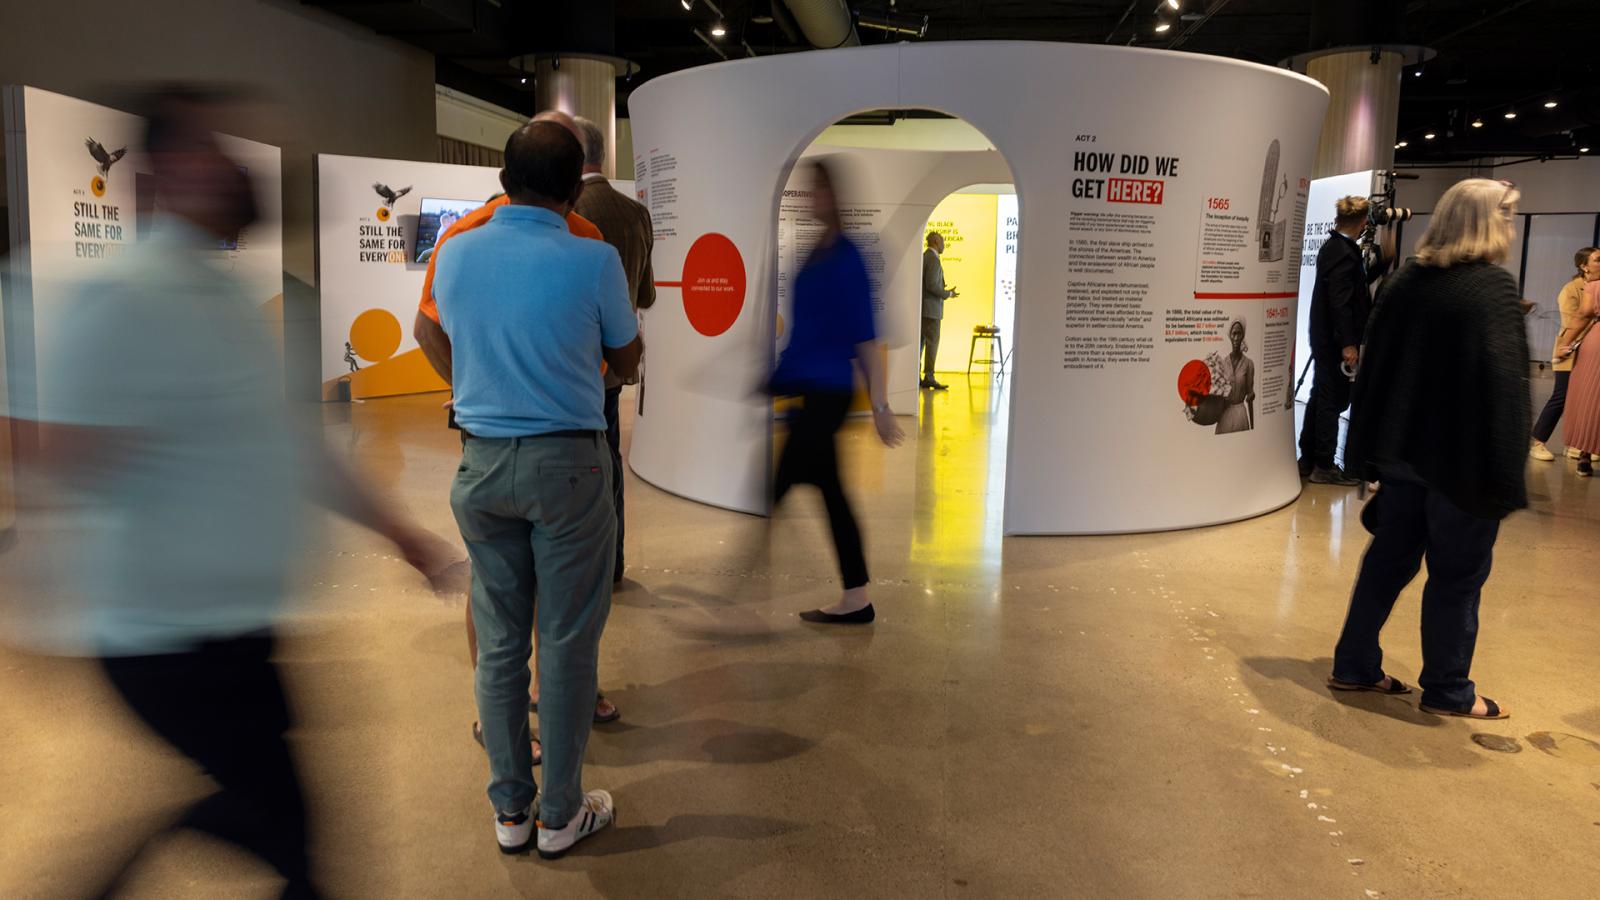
713	284
1194	382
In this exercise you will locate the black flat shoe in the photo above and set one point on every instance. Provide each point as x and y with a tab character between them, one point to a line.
1396	686
861	616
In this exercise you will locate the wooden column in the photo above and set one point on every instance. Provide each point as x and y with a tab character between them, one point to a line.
1363	117
582	87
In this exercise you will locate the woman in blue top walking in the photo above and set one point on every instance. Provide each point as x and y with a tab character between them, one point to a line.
832	336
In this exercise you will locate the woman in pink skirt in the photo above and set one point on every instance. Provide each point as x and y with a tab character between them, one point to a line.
1583	396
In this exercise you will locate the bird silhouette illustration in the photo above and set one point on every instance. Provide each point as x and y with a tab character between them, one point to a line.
388	194
105	159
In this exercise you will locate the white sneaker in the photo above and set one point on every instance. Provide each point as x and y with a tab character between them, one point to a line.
1540	452
1574	453
514	830
597	812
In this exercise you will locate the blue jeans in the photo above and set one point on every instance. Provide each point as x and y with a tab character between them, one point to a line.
537	519
1411	521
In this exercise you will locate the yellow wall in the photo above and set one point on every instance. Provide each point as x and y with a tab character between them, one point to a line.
967	222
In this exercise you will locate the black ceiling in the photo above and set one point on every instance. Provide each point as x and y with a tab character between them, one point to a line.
1492	56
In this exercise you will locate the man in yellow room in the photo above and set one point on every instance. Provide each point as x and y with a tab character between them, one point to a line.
934	294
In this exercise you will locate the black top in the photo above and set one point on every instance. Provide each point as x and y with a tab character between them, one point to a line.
1443	386
1340	303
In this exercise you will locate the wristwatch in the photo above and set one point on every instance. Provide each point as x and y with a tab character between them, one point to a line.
883	408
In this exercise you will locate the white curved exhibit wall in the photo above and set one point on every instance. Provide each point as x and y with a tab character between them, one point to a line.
1161	194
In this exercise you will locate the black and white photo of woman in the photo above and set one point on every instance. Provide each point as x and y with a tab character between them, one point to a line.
1240	413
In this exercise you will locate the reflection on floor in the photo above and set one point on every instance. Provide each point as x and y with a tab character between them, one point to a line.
1129	717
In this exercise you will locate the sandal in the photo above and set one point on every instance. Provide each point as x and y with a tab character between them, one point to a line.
538	748
1492	711
533	706
1396	686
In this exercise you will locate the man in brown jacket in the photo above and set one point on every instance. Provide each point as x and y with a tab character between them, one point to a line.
626	225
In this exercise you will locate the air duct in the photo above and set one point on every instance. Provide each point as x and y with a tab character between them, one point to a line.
825	23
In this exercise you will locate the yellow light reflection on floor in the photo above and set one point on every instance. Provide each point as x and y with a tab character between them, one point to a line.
961	475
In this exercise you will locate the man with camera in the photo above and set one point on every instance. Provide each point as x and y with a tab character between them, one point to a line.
1340	305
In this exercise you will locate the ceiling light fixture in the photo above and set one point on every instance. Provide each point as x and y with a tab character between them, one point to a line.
1163	27
1429	136
1477	123
1551	104
1583	149
718	30
1511	114
1402	145
1173	4
686	4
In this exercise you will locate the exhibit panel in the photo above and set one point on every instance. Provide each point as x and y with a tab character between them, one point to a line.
1155	230
378	221
81	194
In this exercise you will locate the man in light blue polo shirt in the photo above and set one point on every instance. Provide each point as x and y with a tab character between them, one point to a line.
530	311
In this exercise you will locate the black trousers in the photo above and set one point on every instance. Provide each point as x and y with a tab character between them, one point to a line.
811	457
1411	522
930	346
614	441
222	705
1330	396
1557	404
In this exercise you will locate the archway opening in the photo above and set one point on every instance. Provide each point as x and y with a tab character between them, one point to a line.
910	174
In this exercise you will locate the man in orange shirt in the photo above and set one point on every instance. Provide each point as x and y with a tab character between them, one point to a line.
435	346
430	336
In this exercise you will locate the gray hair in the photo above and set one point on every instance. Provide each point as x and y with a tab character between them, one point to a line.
594	142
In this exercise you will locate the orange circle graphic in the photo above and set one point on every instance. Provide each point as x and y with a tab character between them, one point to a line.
1194	382
383	214
375	335
713	284
98	186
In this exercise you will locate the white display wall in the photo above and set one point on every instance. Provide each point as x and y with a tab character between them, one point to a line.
367	271
71	214
1149	222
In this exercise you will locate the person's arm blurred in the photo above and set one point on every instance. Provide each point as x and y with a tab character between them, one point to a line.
435	345
870	358
335	486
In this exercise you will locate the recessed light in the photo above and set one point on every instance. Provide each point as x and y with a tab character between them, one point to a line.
686	4
718	30
1550	104
1163	27
1173	3
1429	136
1511	114
1477	123
1583	149
1402	144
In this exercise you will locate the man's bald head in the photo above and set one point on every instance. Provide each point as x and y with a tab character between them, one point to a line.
544	166
560	118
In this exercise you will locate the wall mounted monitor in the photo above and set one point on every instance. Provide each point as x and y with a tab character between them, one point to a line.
436	217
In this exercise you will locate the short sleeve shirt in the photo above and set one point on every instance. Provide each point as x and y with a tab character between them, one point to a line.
528	306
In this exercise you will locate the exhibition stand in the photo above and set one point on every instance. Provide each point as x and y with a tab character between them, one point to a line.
80	194
378	221
1153	222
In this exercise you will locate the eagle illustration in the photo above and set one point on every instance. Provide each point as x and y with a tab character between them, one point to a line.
106	160
389	196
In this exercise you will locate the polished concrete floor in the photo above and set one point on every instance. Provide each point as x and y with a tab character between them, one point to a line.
1132	717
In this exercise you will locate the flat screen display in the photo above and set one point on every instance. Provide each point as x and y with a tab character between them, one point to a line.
435	219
